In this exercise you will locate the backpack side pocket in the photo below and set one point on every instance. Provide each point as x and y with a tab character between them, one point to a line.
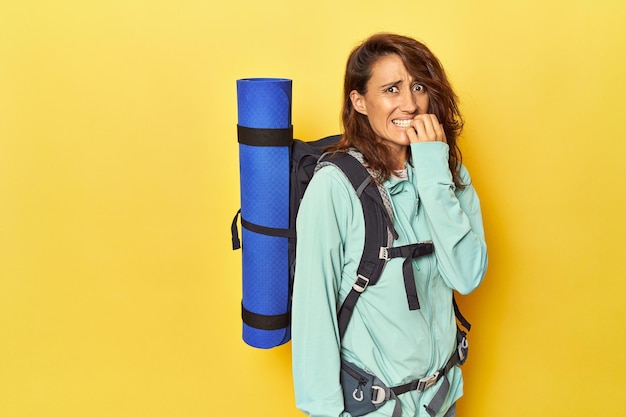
362	391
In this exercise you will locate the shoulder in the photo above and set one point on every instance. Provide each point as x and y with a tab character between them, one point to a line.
329	202
331	178
329	187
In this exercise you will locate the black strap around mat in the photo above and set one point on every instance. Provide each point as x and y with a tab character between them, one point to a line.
264	137
256	228
265	322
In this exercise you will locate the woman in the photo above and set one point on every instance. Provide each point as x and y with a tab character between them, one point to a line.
401	117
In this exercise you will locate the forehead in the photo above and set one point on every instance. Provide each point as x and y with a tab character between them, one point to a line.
387	69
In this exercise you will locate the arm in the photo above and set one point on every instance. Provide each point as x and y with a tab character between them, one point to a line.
453	216
321	225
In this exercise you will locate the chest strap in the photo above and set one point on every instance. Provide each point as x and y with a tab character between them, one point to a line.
409	252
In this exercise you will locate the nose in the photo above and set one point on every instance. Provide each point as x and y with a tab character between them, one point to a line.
408	102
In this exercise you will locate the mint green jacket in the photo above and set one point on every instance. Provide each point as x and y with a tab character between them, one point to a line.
383	336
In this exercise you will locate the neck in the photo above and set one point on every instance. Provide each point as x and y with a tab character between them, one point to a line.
402	156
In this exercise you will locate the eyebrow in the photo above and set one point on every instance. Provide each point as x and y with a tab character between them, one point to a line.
391	84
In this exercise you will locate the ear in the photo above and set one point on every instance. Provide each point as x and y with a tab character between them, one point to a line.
358	102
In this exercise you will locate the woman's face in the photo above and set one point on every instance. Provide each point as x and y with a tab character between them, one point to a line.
392	100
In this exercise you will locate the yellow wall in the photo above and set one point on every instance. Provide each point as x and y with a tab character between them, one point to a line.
119	294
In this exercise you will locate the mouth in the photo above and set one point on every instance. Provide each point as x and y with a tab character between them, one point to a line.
402	122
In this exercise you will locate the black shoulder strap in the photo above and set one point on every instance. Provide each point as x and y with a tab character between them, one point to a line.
371	265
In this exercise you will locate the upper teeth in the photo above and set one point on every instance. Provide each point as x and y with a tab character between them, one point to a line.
402	123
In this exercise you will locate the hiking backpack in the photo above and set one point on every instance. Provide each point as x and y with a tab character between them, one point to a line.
363	392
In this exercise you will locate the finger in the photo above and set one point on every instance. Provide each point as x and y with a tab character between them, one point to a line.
443	133
412	134
431	125
418	126
423	125
438	129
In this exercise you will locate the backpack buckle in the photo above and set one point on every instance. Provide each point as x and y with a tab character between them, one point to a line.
379	395
462	349
361	283
427	382
383	253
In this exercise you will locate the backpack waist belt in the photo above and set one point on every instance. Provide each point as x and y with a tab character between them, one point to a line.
422	384
358	381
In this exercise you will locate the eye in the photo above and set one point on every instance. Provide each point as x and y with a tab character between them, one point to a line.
419	87
392	89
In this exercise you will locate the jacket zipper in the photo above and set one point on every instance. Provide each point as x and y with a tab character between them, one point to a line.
430	312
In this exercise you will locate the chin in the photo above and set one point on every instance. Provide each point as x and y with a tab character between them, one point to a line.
403	140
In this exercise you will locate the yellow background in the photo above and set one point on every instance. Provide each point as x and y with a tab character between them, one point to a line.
119	293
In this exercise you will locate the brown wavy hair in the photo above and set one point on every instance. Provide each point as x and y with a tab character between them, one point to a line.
424	66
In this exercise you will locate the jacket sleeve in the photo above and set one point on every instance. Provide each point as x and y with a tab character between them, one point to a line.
453	216
321	228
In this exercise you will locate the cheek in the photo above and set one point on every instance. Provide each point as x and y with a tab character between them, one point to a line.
376	115
424	104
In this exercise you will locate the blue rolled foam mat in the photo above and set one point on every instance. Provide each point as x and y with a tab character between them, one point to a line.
265	103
